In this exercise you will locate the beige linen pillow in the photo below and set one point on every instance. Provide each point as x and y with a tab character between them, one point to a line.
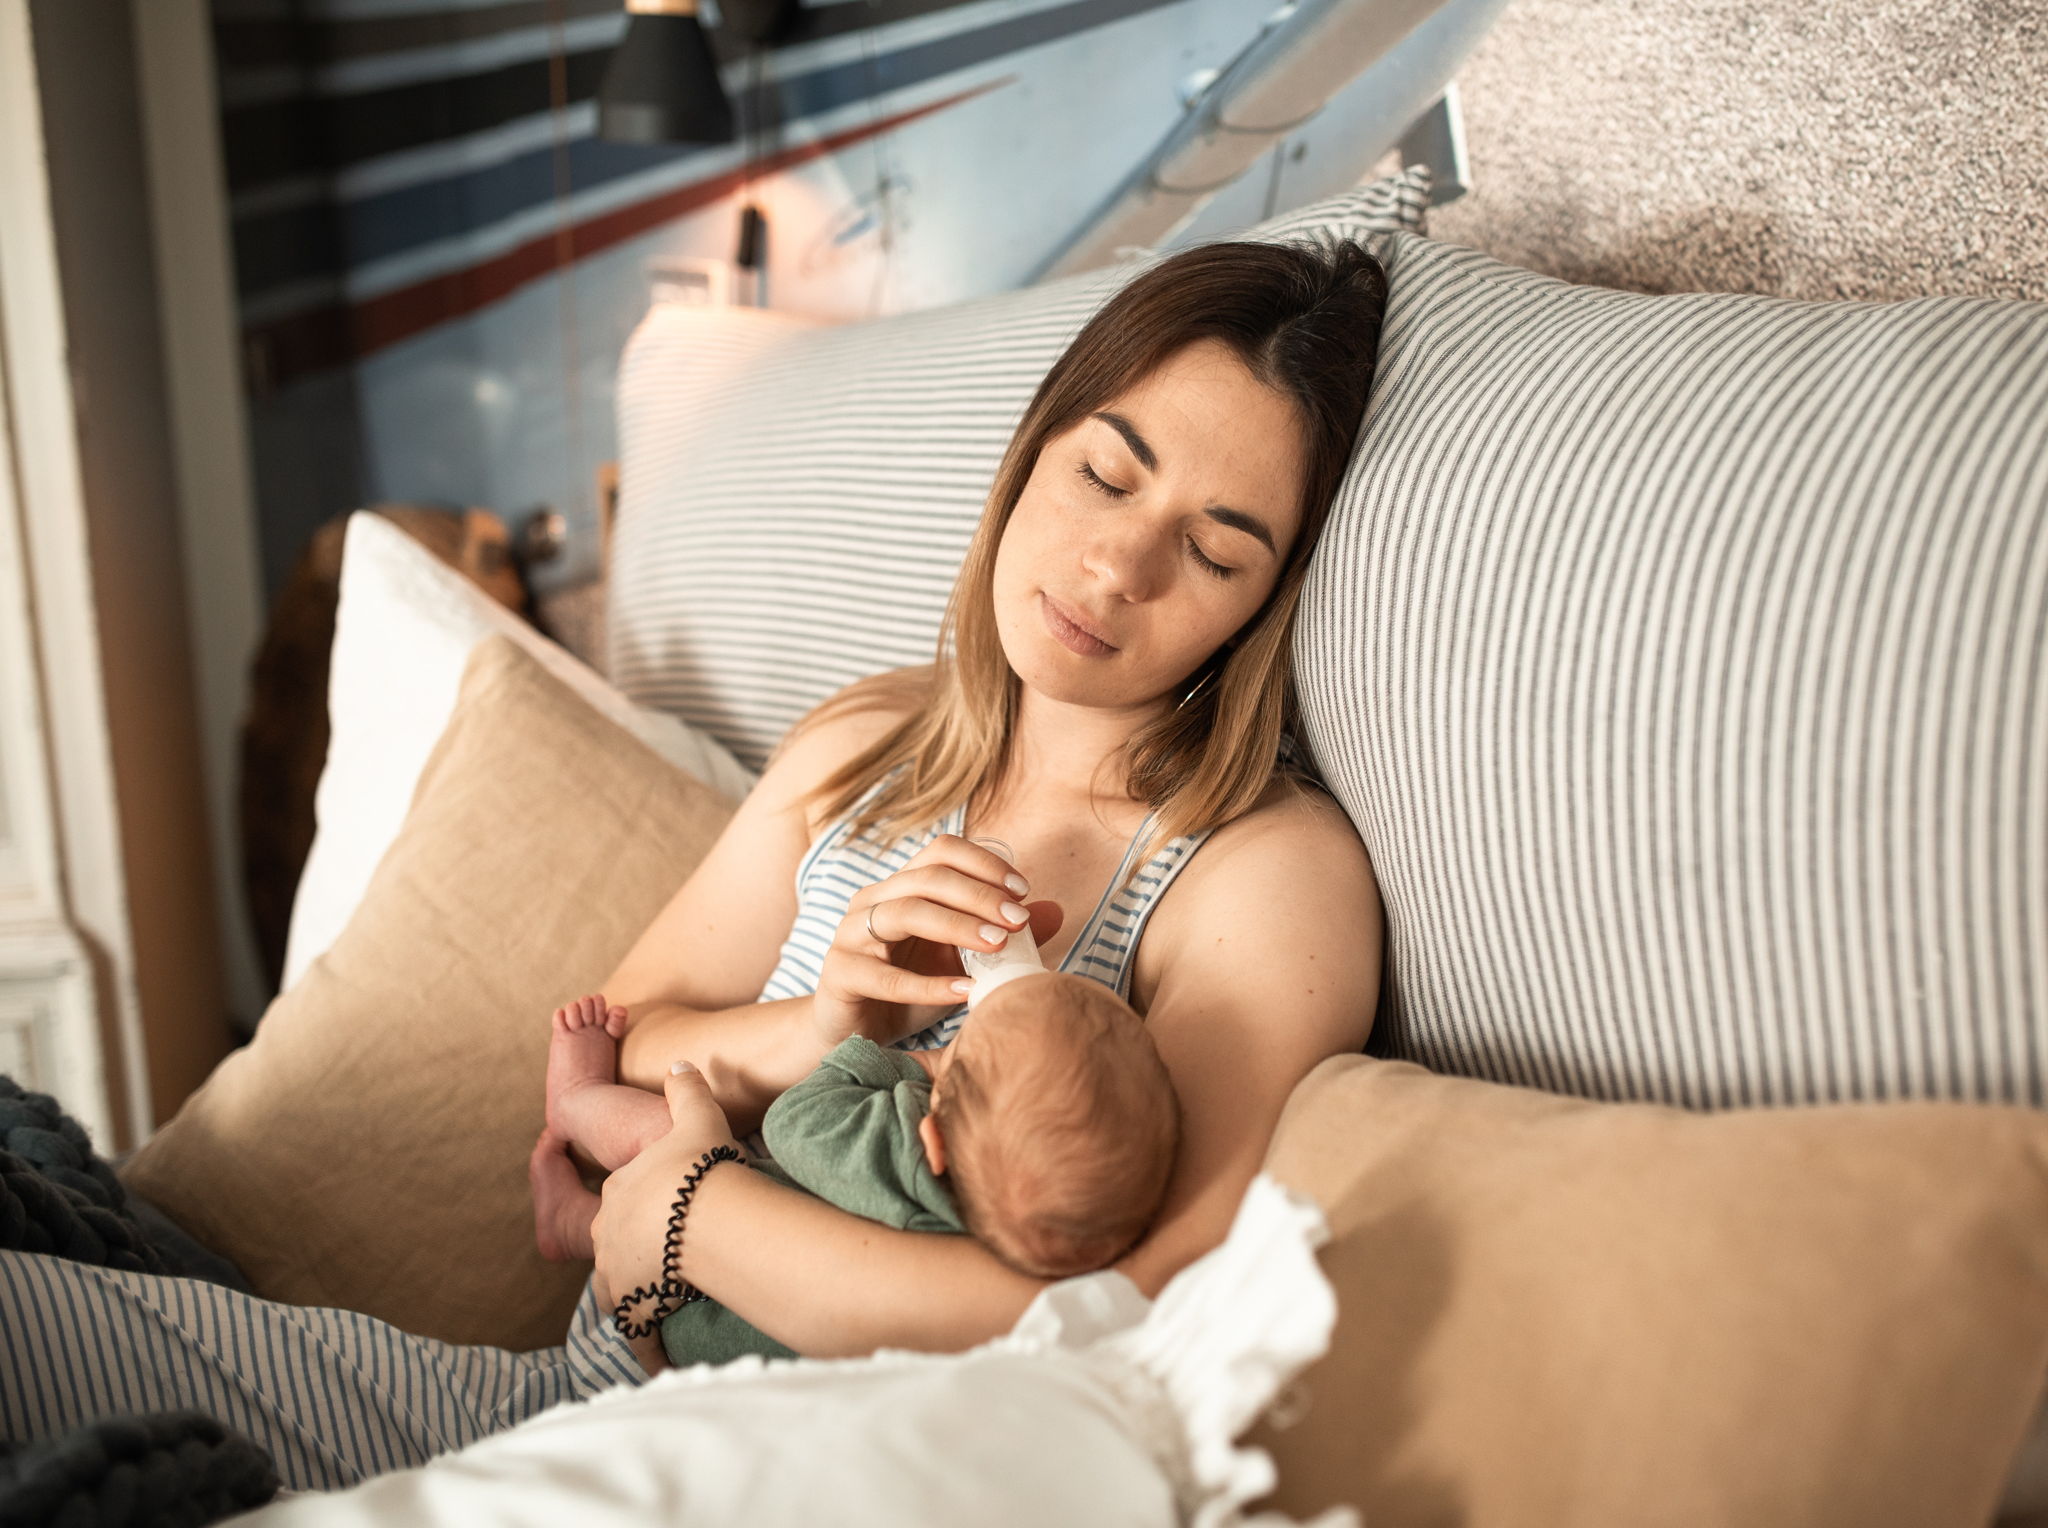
1558	1311
368	1148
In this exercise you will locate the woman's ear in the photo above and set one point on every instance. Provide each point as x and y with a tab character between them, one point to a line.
934	1145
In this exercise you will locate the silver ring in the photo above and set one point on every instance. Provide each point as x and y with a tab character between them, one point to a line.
870	921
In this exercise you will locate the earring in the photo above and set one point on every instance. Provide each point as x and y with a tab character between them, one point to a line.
1194	690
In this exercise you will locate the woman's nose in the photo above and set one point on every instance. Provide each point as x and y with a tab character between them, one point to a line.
1125	561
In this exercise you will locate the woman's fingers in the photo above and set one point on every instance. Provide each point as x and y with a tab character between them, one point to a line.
895	919
878	980
970	858
954	887
939	903
894	950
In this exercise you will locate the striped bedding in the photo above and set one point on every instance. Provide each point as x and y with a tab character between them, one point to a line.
1680	660
333	1396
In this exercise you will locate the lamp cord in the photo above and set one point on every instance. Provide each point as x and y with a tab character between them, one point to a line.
751	253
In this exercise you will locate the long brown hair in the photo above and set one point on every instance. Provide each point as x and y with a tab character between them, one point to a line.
1305	321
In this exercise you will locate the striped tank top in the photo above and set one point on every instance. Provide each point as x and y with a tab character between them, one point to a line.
837	866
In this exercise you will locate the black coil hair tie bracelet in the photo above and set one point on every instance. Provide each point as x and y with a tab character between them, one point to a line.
672	1292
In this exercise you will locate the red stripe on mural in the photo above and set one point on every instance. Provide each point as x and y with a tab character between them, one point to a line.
337	333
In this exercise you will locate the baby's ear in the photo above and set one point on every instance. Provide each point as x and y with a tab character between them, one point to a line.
934	1145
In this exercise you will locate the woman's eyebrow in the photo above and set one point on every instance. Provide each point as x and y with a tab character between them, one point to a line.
1140	447
1236	519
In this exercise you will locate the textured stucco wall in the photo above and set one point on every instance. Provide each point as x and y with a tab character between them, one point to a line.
1808	148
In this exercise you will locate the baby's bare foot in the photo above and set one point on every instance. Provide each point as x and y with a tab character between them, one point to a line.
583	1050
563	1208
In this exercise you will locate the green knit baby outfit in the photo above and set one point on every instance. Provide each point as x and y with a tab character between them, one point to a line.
847	1133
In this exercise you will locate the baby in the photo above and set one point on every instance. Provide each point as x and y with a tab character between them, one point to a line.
1047	1129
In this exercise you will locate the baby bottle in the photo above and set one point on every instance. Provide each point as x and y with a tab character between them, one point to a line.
1018	956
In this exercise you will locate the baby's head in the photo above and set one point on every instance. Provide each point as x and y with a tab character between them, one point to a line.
1054	1120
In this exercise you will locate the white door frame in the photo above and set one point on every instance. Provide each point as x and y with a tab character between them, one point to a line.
68	1002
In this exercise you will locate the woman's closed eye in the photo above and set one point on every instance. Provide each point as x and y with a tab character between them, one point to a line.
1110	490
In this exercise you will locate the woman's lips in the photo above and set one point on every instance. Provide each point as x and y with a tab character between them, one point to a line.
1071	636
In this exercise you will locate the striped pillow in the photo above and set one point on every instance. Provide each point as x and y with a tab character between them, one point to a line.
795	503
1680	660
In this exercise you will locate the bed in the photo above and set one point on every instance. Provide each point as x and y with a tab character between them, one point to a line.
1678	659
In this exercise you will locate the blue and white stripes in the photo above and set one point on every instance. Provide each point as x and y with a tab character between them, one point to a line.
838	865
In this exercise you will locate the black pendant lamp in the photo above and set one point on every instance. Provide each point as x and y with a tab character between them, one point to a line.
661	85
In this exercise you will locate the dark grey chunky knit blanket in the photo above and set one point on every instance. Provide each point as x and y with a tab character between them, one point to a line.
175	1469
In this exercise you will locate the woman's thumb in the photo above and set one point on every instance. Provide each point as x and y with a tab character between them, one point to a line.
1046	918
684	1085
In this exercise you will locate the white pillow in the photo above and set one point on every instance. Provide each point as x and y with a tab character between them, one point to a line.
404	627
1097	1409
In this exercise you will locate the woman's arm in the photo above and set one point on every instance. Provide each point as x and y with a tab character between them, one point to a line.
824	1282
748	1054
751	1054
1270	966
832	1285
1270	963
690	981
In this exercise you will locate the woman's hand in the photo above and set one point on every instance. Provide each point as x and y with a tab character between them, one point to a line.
894	965
633	1207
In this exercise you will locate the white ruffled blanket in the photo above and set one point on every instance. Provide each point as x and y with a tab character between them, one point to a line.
1099	1408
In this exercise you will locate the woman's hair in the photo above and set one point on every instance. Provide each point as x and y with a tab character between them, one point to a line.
1305	321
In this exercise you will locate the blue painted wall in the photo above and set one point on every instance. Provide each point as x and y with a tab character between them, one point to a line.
438	261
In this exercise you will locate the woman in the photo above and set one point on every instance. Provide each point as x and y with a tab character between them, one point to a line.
1114	669
1117	694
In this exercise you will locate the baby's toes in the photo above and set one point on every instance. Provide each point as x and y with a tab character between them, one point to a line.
615	1022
